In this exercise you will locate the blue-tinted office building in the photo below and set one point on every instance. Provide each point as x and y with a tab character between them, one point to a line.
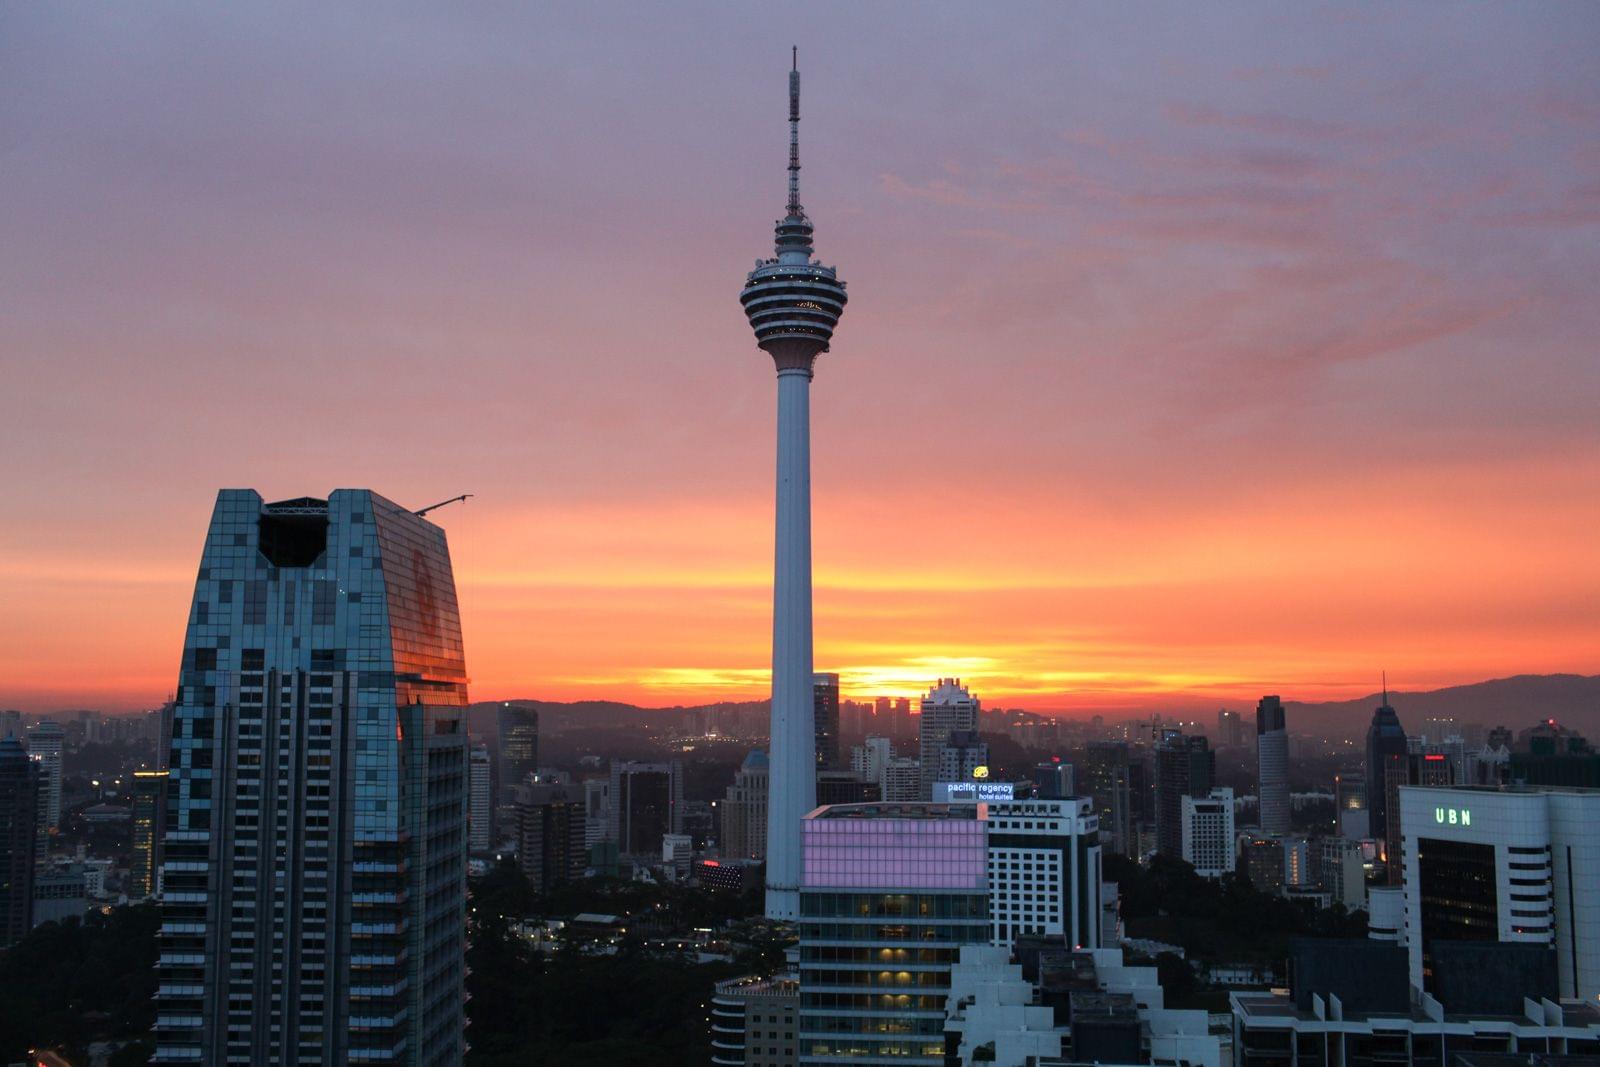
314	868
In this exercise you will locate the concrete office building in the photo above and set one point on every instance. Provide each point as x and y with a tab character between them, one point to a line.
45	743
948	708
646	804
744	810
1272	766
551	844
1044	870
1208	841
20	794
962	757
315	849
1185	767
891	892
1515	865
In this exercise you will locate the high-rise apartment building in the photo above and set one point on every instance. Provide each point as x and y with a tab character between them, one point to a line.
1513	866
1103	772
891	892
744	810
1263	859
1386	741
947	708
793	304
1044	870
20	794
646	804
962	756
551	845
480	799
517	730
1272	766
1208	841
315	851
900	780
1185	767
149	824
825	720
45	743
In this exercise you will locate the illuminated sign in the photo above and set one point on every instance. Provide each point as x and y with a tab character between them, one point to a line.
980	772
973	792
1452	816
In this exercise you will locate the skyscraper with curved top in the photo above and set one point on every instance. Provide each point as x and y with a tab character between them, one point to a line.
793	304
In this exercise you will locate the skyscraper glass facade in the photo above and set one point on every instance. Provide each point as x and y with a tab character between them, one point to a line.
890	893
315	845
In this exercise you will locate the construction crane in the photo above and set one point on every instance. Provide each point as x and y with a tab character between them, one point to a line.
423	511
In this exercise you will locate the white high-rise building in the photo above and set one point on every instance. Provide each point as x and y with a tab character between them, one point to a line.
793	304
44	744
947	708
1512	865
480	807
1208	843
1044	870
868	758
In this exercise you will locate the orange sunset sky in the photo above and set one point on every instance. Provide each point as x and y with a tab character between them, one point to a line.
1191	354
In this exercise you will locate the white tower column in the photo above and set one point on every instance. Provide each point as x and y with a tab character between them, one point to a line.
793	790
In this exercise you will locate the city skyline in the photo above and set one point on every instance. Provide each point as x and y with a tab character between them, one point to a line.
1136	360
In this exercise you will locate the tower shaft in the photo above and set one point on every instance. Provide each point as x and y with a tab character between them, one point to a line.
793	786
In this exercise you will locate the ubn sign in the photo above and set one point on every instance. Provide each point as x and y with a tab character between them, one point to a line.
1452	816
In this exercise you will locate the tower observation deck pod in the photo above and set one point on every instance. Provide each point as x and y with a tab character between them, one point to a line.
792	302
793	305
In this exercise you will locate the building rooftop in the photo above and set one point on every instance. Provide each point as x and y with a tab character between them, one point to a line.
1257	1005
897	810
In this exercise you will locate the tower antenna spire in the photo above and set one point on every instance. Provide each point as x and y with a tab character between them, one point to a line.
794	137
1386	688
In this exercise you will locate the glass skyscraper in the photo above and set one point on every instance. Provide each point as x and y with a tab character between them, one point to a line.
314	864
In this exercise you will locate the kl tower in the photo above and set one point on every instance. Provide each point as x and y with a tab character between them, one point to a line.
793	303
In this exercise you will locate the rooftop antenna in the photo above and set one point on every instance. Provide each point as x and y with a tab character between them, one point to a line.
423	511
794	137
1385	688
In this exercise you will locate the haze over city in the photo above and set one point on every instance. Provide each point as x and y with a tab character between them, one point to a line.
1191	354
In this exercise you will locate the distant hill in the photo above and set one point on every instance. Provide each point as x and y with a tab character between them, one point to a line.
557	717
1518	702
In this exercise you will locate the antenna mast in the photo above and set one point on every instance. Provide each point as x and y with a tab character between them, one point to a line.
794	137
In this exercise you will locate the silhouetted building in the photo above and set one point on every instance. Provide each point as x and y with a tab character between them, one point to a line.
315	859
1103	771
1185	767
149	824
845	787
20	791
518	728
1272	766
961	758
1386	742
45	745
550	834
646	805
825	709
480	799
1230	729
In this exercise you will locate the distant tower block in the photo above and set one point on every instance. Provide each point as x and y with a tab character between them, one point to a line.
793	305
